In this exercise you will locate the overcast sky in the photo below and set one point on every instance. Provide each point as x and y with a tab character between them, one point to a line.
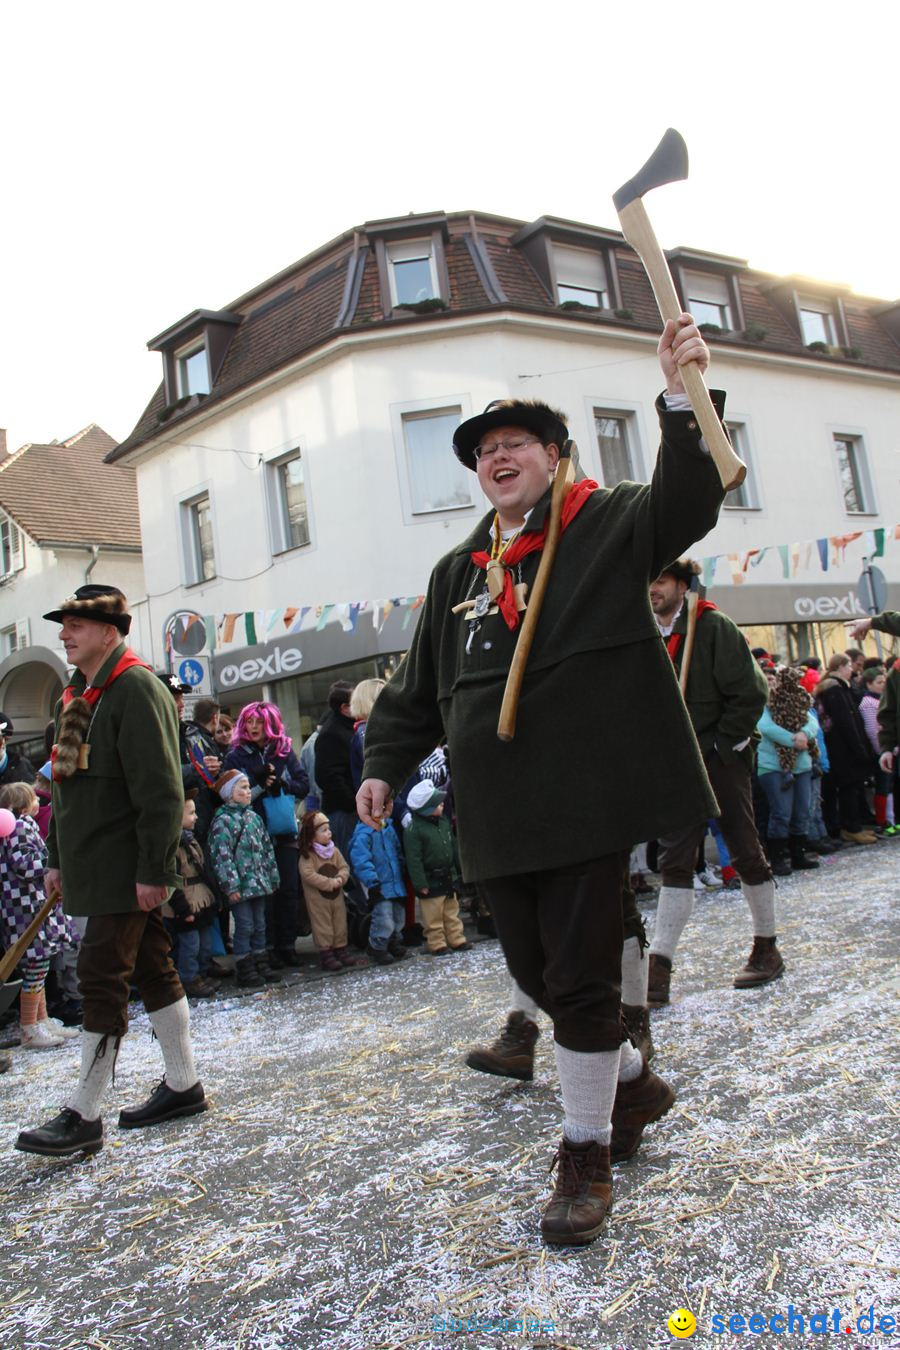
158	158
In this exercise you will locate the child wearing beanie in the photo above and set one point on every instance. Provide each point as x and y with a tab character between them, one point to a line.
324	874
243	860
433	864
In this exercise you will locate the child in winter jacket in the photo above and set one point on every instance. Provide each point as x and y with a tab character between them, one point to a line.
23	861
189	911
324	874
433	864
377	861
244	863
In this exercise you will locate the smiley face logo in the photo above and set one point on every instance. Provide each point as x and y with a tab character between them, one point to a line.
682	1323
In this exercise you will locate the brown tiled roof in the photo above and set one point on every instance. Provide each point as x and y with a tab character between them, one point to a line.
299	310
67	494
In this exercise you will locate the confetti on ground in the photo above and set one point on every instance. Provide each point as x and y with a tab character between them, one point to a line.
354	1180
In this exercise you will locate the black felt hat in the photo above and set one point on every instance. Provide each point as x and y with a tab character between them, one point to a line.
105	604
682	569
530	414
172	683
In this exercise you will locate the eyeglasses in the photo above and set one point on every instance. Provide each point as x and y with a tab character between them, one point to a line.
487	451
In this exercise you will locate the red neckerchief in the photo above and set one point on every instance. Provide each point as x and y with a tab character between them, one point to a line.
529	543
673	641
91	692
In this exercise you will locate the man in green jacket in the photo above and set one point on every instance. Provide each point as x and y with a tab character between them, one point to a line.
725	695
546	821
116	824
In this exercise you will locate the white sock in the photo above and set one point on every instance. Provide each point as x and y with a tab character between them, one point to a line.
674	908
520	1002
635	972
631	1062
172	1027
761	900
588	1082
96	1072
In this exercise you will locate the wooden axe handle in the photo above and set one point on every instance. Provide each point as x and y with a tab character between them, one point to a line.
691	599
506	727
15	953
638	231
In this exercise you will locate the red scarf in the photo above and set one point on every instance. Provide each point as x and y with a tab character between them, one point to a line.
529	543
91	692
91	696
673	641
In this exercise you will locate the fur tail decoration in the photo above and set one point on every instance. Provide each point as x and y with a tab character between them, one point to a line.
74	723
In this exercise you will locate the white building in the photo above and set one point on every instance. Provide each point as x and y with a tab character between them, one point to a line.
297	454
66	517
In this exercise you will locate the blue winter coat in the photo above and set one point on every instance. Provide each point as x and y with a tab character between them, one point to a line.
377	860
252	759
773	735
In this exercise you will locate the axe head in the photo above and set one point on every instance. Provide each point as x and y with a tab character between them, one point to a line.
667	164
8	992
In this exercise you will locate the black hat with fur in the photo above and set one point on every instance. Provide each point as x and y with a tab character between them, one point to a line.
682	569
105	604
530	414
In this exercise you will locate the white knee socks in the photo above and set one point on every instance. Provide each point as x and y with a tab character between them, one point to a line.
172	1027
761	900
674	908
588	1082
520	1002
635	969
631	1062
98	1060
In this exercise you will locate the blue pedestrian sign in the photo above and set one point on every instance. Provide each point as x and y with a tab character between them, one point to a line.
191	672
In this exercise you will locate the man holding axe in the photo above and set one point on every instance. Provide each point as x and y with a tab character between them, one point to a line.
725	692
546	816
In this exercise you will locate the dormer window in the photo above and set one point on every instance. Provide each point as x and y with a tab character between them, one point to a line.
580	277
707	298
412	272
816	320
192	365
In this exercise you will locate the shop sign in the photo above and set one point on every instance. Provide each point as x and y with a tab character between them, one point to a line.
254	669
829	607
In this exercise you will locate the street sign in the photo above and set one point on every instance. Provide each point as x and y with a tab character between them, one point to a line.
194	670
872	588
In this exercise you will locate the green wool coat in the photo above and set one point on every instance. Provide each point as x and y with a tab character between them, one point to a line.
604	754
726	690
118	822
888	622
431	855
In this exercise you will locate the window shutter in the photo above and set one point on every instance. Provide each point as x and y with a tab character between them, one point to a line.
23	634
579	267
712	290
17	549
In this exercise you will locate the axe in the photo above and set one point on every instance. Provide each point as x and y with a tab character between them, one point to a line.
669	164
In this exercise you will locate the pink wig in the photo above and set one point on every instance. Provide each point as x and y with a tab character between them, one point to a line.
277	739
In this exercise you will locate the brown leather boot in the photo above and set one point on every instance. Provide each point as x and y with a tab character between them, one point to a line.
638	1103
763	964
582	1197
512	1054
637	1024
658	981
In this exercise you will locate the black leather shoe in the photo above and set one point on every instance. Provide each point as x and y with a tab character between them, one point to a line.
287	956
397	949
164	1104
66	1133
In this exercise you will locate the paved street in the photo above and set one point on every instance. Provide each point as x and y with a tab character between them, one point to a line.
353	1181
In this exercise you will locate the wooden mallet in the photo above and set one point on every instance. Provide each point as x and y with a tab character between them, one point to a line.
669	164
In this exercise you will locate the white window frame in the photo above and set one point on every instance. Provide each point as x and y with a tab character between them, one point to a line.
810	304
578	270
15	560
279	527
863	474
192	562
740	438
412	250
181	358
9	640
710	289
456	403
627	413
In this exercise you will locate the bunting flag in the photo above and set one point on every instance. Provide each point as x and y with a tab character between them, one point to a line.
254	626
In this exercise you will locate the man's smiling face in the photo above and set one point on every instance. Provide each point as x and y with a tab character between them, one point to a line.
514	480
